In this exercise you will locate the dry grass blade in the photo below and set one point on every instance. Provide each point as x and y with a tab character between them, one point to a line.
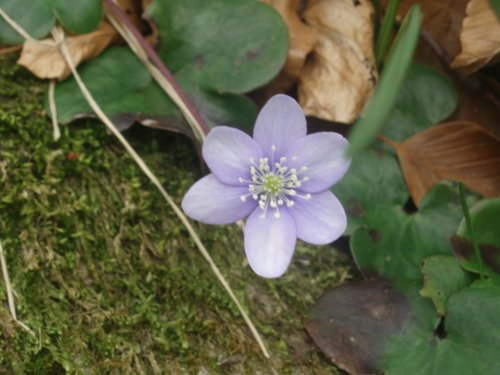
10	293
53	110
59	38
457	151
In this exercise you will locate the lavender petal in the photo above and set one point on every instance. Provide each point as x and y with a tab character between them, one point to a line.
280	123
324	156
320	220
227	152
213	202
269	243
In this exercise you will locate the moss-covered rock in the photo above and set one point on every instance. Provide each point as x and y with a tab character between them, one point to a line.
108	278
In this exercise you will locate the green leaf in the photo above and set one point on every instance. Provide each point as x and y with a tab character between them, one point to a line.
216	50
468	346
398	63
37	17
393	244
443	277
425	99
123	88
490	254
485	220
34	16
79	17
373	182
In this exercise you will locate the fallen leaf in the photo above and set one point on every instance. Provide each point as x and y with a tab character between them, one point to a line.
480	37
340	74
457	151
350	322
302	39
46	61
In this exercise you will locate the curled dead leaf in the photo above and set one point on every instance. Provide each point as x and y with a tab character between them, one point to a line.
302	40
340	74
480	37
457	151
46	61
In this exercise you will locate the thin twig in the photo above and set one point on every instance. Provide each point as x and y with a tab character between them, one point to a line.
53	110
157	68
7	50
10	293
58	35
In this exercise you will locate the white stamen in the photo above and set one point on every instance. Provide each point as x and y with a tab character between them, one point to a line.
273	183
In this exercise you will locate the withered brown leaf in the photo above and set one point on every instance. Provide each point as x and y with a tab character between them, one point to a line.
46	61
480	37
302	40
340	74
456	151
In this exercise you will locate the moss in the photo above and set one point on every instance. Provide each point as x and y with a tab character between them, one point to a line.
108	278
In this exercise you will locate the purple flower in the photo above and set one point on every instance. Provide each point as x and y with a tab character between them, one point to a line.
280	179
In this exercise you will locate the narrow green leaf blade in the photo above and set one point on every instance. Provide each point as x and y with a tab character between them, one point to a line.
391	80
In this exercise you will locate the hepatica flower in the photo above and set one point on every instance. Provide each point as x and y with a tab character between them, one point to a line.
280	179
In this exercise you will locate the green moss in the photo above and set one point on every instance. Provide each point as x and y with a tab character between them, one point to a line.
108	278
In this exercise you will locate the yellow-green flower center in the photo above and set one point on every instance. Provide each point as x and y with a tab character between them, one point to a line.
273	184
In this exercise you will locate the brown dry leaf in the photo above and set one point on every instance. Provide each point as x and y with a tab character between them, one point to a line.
302	41
457	151
442	20
46	61
340	74
480	37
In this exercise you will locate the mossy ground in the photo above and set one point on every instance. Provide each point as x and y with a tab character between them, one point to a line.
108	278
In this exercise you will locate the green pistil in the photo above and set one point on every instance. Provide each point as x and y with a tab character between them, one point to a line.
273	184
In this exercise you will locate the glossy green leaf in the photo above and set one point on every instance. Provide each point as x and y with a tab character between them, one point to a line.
468	346
123	88
443	277
79	17
38	16
393	243
425	99
34	16
224	45
391	80
373	182
216	50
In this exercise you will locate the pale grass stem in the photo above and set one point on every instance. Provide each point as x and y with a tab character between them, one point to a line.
10	293
53	110
58	36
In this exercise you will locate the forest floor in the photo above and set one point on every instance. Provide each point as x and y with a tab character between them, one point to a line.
106	276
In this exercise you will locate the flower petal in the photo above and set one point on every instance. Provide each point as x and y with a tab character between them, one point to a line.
280	123
227	152
320	220
212	202
269	243
324	156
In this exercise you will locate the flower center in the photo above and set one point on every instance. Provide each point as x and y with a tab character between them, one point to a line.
273	184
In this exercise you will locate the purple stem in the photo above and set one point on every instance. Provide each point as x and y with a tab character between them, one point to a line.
155	58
